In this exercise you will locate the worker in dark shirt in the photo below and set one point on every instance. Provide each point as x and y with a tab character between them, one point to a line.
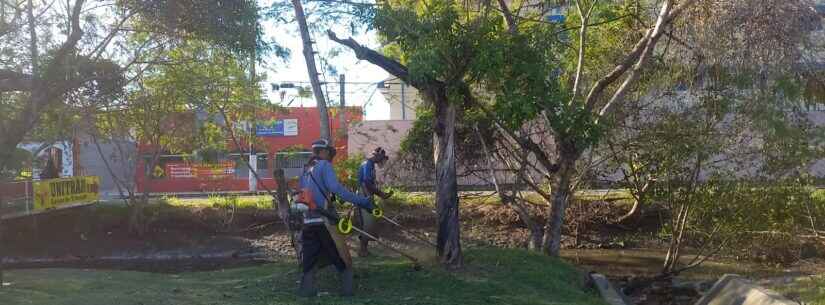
367	187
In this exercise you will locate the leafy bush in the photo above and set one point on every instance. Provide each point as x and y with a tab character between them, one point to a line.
347	170
751	221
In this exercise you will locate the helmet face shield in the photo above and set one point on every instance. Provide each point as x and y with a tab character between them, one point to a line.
378	155
320	143
323	145
332	152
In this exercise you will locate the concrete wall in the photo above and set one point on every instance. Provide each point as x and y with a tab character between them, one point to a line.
121	155
402	106
367	135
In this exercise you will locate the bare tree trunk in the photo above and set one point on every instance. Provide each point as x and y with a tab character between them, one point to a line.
309	56
536	238
634	210
448	240
561	195
510	198
33	41
283	209
137	224
675	253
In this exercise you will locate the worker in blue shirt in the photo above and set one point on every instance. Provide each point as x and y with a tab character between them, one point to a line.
367	187
318	184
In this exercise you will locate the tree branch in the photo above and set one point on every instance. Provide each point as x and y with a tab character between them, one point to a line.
643	48
508	16
14	81
640	63
598	88
388	64
585	18
74	36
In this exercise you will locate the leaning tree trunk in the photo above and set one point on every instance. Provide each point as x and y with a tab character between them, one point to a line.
560	192
449	242
282	207
309	56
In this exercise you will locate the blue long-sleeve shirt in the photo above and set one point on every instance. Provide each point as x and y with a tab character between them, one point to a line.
327	183
366	173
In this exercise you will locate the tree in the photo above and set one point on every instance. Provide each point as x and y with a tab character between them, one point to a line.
431	46
54	71
600	73
160	112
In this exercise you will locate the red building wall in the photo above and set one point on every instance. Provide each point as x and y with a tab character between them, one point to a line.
309	130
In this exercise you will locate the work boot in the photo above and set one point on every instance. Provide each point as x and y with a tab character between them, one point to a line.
307	288
347	283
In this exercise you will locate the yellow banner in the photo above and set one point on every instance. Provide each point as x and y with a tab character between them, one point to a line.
55	193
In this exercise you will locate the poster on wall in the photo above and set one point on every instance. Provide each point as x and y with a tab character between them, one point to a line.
186	170
277	128
56	193
61	151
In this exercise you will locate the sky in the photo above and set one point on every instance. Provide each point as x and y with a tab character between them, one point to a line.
293	70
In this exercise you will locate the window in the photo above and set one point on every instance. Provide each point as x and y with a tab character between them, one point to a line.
292	159
241	169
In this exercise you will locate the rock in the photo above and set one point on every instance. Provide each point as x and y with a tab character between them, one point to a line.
607	291
688	288
732	289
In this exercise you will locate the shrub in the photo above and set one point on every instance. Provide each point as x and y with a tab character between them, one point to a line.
745	220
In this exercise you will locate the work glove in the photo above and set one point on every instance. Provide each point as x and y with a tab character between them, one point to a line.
372	205
331	215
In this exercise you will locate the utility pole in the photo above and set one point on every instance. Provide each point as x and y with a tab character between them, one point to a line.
342	115
309	56
253	157
403	101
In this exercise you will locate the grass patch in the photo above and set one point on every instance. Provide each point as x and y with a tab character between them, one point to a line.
809	291
492	277
622	195
221	201
401	198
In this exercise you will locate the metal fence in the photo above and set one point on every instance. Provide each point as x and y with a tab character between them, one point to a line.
292	160
16	198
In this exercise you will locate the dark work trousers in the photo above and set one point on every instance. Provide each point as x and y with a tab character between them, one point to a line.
317	243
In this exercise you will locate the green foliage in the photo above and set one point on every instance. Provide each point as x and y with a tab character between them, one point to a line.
221	202
808	290
402	198
419	140
199	80
347	170
15	166
748	220
232	25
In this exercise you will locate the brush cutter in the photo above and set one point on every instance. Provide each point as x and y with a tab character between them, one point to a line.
345	225
350	227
